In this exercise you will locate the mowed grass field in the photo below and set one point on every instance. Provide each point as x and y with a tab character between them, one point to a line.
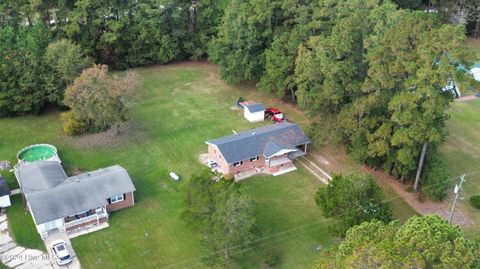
462	152
178	107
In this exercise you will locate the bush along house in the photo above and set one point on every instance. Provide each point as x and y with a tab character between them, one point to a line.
268	149
72	204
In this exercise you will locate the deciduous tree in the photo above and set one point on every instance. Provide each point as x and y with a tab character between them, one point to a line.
351	200
101	99
221	213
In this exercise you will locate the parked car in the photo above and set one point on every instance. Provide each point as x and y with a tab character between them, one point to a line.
212	163
275	114
61	253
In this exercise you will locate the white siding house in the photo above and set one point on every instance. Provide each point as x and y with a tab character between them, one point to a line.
254	112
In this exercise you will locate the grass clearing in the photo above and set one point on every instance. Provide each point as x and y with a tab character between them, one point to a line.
21	224
462	153
179	107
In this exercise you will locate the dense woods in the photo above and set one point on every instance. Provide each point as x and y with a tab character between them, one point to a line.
374	68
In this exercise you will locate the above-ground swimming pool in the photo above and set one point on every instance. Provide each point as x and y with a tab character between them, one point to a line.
39	152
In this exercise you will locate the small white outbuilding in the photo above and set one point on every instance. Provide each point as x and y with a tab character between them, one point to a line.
4	193
254	112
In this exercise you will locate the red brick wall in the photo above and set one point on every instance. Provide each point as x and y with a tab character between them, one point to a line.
101	220
277	168
248	165
214	154
276	158
127	202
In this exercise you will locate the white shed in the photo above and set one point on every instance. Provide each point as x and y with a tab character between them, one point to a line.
254	112
4	193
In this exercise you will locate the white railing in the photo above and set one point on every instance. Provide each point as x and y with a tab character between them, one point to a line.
85	219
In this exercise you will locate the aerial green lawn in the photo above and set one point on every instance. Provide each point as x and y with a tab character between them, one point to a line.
462	153
22	226
178	107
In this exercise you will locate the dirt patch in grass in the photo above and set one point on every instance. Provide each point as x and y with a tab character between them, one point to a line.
128	131
474	43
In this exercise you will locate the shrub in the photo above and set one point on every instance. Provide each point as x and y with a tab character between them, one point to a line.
73	125
270	259
475	201
435	179
228	176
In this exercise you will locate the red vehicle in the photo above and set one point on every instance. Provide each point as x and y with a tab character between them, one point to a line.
275	114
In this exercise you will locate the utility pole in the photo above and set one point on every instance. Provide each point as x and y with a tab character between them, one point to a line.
457	190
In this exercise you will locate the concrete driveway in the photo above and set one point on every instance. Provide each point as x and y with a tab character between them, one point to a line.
18	257
75	264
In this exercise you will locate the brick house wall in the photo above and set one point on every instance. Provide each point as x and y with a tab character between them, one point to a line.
275	169
248	165
214	154
91	222
128	201
276	158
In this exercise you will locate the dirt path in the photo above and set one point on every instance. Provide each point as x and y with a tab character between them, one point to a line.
335	160
313	170
468	98
425	208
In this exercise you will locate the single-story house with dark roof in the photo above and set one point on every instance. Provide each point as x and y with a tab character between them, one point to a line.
4	193
269	149
61	203
254	112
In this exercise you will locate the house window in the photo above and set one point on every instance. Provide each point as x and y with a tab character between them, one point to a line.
116	198
254	159
237	163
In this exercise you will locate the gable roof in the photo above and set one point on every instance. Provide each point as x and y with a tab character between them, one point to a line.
4	190
255	142
257	107
74	194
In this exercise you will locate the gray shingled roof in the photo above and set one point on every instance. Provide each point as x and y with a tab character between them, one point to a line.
40	175
75	194
257	107
251	143
273	147
4	190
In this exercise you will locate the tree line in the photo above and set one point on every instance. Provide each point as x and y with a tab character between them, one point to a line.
372	68
120	34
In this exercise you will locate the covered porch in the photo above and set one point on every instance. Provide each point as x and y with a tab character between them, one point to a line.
85	220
